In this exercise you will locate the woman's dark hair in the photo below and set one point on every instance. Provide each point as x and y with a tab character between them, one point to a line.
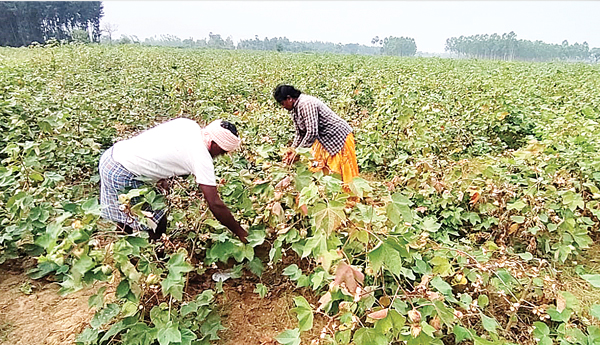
229	126
282	92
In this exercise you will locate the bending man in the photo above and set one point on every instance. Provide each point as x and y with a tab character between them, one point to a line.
174	148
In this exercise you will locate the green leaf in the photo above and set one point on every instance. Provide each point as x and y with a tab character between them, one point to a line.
398	213
159	316
256	237
289	337
571	301
461	334
169	334
88	336
140	334
189	308
540	329
316	244
118	328
97	300
359	186
187	336
441	266
343	337
593	279
427	329
292	271
386	254
122	289
595	311
173	286
82	265
305	314
555	315
441	286
177	264
518	219
369	336
105	315
329	217
256	266
211	326
91	206
526	256
489	323
483	301
261	290
517	205
430	224
445	313
129	308
175	281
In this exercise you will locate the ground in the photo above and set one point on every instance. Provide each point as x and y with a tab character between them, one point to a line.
32	311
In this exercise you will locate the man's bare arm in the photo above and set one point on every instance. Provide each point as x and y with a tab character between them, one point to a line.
222	212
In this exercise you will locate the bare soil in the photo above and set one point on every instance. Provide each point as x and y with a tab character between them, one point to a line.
32	312
41	316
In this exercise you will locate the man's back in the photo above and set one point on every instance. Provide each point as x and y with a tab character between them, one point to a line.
172	148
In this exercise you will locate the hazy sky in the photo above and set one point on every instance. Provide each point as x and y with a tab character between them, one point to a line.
430	23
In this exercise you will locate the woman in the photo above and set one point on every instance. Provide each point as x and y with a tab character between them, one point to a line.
329	137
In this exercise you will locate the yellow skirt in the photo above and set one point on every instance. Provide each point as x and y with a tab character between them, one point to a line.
343	163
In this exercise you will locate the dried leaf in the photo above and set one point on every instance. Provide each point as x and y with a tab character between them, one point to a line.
348	275
424	283
513	228
283	184
277	209
378	315
304	209
561	303
474	198
415	330
436	323
414	315
326	298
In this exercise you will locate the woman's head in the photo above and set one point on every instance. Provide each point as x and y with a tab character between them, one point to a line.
286	95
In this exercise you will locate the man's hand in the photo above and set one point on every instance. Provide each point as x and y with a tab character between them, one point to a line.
164	186
221	212
243	237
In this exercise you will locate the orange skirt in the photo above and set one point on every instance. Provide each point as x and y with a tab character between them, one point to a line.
343	163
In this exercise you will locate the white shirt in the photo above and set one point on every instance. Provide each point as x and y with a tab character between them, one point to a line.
172	148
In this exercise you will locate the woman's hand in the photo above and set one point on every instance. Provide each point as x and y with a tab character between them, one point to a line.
290	156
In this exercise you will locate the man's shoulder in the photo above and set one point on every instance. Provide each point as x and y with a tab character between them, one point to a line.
183	121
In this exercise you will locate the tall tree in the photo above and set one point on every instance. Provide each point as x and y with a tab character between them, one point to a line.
402	46
507	47
22	23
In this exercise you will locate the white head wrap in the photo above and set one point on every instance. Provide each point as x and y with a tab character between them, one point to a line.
223	137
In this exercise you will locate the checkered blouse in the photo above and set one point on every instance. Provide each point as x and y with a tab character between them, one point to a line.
314	120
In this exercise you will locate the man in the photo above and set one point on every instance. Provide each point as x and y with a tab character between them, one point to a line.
176	147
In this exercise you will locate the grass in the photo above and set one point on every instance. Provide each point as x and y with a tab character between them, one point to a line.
5	329
586	294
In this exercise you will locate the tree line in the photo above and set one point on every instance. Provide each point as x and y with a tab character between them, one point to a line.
25	22
508	47
399	46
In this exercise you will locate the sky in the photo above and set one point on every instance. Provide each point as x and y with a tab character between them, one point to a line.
430	23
